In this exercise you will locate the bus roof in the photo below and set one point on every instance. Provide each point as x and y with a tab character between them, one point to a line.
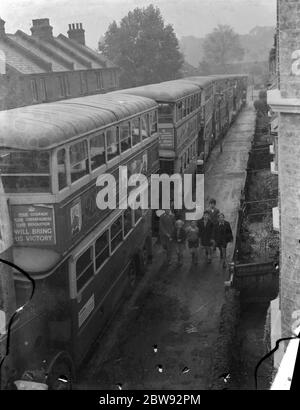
228	76
199	80
44	126
169	91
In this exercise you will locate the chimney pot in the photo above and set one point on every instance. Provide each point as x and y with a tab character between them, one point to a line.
76	33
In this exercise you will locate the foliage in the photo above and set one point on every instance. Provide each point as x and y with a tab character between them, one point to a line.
144	47
221	46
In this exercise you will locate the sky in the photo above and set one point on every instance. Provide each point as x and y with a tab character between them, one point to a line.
188	17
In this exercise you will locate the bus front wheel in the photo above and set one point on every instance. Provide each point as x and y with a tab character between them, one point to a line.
61	373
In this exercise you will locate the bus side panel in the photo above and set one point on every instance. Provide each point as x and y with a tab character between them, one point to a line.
104	293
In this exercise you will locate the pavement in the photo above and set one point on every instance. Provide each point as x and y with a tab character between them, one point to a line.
164	336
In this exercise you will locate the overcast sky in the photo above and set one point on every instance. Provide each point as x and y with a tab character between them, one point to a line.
189	17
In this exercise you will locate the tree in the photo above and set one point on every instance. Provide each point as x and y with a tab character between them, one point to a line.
221	46
145	49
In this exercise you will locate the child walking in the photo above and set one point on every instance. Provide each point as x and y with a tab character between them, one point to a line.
193	241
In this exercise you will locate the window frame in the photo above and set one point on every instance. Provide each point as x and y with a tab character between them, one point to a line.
107	232
115	128
86	159
101	132
91	264
111	238
34	90
129	134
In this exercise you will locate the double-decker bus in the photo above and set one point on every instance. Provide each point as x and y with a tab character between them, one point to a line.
205	132
83	260
230	92
179	114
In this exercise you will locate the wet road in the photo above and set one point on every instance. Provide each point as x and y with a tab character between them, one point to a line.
163	337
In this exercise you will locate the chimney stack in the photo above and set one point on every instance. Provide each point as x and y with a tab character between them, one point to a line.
41	29
76	33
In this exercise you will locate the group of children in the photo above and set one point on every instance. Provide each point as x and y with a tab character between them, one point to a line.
210	231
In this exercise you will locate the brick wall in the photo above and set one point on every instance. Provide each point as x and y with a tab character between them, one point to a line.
17	90
288	161
289	181
289	43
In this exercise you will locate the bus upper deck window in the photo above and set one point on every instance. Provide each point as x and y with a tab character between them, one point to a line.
144	127
165	113
153	122
97	147
125	137
25	171
79	160
61	169
112	139
179	111
136	132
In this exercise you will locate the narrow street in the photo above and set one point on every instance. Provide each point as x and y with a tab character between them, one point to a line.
164	336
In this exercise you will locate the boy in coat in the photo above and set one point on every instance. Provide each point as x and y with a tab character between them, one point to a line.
206	228
222	236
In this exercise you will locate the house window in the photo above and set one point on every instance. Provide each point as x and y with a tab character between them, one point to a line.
99	81
67	85
112	78
43	89
34	90
83	83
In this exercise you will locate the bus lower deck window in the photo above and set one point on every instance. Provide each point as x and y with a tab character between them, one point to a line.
116	233
25	171
127	221
101	249
84	268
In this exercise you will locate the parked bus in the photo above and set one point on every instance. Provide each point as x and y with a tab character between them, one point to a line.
230	94
179	114
83	260
205	132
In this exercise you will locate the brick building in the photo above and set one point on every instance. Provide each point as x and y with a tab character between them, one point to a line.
41	68
285	101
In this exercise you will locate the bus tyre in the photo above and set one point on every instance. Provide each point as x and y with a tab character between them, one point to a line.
61	373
